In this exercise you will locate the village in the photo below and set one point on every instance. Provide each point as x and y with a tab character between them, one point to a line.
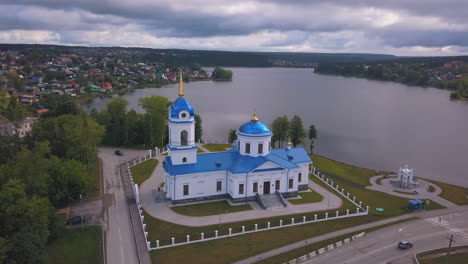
81	74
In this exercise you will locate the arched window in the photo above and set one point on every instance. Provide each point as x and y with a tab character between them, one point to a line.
183	138
184	160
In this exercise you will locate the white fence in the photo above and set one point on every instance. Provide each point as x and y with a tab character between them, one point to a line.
360	211
301	221
314	253
337	188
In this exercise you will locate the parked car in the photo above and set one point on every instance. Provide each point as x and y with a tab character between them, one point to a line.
119	152
76	220
405	244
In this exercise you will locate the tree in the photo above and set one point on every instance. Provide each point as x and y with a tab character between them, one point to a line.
280	131
198	128
155	119
232	136
221	74
71	136
16	80
15	111
297	132
117	128
312	135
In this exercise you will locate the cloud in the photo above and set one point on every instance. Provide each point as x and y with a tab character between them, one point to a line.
398	26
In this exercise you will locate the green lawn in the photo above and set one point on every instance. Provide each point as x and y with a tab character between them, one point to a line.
236	248
142	171
453	193
453	259
211	208
307	197
403	192
353	173
95	190
392	205
217	147
293	254
76	247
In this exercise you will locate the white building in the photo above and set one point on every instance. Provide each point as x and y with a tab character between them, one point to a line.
251	167
406	177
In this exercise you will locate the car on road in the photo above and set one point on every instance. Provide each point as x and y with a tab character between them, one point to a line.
76	220
119	152
405	244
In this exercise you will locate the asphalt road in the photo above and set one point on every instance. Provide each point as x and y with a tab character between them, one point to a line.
380	246
111	210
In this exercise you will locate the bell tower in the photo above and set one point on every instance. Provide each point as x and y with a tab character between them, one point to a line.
182	148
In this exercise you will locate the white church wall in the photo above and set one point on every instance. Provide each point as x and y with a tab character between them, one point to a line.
199	185
176	128
254	141
177	156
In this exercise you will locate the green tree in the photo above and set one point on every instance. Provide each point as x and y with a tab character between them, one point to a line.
71	136
117	128
312	135
198	128
15	111
297	132
221	74
280	131
16	81
155	119
232	136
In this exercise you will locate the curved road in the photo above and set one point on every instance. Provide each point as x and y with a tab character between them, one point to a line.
380	246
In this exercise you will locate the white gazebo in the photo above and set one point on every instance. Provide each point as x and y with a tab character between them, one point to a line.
406	177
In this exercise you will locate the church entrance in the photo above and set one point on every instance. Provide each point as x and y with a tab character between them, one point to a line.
266	187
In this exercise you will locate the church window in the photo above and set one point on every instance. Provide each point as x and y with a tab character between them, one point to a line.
299	177
247	147
255	187
184	160
291	183
241	188
186	189
269	146
277	185
219	186
183	138
260	148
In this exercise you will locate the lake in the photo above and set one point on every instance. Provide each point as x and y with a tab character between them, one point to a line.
375	124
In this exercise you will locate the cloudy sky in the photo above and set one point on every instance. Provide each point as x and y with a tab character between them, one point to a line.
400	27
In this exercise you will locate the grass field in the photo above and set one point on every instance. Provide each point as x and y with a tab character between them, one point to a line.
217	147
211	208
392	205
142	171
453	259
95	190
285	257
453	193
353	173
231	249
307	197
76	247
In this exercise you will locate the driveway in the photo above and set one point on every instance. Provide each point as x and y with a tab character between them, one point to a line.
111	211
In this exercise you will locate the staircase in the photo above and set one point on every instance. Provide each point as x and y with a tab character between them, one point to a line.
271	201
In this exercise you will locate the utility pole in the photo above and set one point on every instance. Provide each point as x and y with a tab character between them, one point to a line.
450	245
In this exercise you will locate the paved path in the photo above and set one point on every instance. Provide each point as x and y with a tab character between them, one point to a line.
388	187
163	212
200	146
111	210
382	237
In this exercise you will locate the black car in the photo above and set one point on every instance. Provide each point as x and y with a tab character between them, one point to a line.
76	220
119	152
405	244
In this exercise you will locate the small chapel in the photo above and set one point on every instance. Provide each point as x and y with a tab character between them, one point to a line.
250	168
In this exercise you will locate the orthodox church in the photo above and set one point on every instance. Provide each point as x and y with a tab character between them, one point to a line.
249	168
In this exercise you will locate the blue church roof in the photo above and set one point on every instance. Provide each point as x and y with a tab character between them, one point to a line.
235	163
254	127
179	105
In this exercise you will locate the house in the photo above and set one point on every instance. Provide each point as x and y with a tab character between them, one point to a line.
172	77
26	98
251	169
7	128
106	86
